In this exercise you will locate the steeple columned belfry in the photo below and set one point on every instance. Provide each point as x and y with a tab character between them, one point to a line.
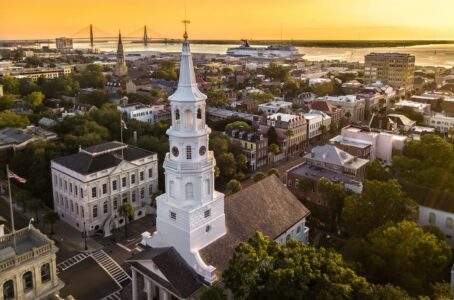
190	215
120	68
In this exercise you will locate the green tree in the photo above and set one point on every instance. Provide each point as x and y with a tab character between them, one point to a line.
273	171
410	113
51	217
7	102
10	84
227	165
238	125
306	185
334	194
274	149
11	119
272	136
379	203
234	186
213	293
323	89
407	256
265	269
291	89
217	98
376	171
34	99
276	72
23	197
259	176
126	210
35	205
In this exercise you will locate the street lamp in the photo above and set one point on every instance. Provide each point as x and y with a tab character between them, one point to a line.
84	236
30	223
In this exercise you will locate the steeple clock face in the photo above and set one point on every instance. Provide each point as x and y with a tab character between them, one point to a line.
175	151
202	150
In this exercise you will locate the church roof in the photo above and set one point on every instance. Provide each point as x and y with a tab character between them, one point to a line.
266	206
187	85
181	279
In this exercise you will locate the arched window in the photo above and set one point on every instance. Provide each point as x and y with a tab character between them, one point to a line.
188	118
95	211
45	273
432	218
8	290
449	223
177	114
189	191
188	152
171	188
27	279
199	113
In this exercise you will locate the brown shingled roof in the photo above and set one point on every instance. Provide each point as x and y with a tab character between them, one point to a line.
266	206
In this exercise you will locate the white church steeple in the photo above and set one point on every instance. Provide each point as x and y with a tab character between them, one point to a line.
190	215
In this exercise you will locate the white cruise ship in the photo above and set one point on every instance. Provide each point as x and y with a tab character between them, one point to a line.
277	50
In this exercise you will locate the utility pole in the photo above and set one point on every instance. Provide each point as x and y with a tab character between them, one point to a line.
145	35
91	36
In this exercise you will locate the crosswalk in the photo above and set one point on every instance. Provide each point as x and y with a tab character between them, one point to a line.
114	296
111	267
66	264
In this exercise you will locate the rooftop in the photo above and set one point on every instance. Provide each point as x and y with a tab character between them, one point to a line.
332	155
101	157
283	117
316	173
266	206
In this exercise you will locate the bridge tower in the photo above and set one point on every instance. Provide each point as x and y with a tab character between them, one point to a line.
145	35
91	36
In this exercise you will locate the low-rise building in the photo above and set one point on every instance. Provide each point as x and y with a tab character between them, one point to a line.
28	266
334	112
91	185
35	73
422	108
383	145
314	122
305	98
64	44
442	122
353	108
274	106
291	130
438	211
254	146
146	113
216	114
331	163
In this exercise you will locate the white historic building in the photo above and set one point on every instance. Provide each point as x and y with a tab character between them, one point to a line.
91	185
196	230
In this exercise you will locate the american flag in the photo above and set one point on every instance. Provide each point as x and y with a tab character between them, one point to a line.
14	176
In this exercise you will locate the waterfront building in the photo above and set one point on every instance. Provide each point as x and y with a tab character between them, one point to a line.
396	69
91	185
64	44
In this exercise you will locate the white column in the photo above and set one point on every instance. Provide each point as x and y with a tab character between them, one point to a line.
134	285
148	288
163	294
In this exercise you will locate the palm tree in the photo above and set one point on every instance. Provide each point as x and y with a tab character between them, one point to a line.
51	218
35	205
126	210
273	148
289	134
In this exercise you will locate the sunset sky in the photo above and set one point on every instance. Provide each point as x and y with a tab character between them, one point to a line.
233	19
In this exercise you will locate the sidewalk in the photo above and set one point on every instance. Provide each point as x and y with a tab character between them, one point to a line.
68	239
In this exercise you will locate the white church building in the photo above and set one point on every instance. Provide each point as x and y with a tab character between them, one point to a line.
197	229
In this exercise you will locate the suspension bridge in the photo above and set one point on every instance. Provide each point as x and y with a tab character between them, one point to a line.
93	35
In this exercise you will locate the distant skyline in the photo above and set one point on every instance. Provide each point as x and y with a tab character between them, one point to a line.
234	19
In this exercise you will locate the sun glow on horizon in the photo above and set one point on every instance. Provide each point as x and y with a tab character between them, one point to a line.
300	19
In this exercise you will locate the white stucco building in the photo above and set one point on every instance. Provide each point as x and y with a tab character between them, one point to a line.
145	113
441	122
91	185
314	121
274	106
438	213
351	104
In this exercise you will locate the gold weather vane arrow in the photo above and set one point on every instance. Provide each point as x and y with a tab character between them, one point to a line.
185	22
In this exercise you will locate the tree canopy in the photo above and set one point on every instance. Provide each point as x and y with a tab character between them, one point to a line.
265	269
379	203
11	119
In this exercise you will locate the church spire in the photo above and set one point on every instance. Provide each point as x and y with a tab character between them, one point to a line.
119	37
187	85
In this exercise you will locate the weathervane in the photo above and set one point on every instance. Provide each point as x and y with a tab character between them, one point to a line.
186	22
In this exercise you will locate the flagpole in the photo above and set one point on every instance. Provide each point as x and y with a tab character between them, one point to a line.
121	134
11	208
